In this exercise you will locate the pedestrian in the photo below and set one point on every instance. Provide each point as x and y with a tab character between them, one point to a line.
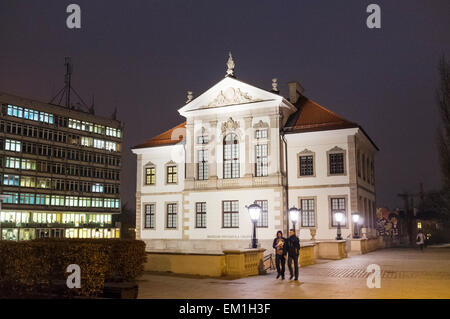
280	253
420	239
293	250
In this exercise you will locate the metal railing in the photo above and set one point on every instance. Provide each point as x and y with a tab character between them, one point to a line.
269	263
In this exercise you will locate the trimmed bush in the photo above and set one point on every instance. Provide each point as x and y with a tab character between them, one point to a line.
36	267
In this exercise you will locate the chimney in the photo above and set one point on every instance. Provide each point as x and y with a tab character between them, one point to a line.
295	91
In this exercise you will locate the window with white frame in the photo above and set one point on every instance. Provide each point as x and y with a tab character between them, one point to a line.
149	219
336	162
231	156
172	177
202	164
306	163
263	220
230	214
200	215
261	160
202	139
171	216
150	175
307	211
337	206
260	134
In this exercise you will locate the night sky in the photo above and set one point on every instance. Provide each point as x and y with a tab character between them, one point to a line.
142	56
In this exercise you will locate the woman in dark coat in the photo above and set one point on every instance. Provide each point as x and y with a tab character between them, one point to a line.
280	253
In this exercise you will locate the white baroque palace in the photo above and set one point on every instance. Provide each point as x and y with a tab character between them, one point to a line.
241	144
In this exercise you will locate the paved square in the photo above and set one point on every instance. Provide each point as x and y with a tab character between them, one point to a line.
405	273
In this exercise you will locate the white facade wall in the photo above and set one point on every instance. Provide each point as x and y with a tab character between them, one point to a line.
268	111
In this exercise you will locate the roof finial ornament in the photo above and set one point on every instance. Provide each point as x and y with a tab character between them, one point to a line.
189	97
230	65
275	85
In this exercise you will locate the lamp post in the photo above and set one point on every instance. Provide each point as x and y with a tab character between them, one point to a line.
293	215
338	217
355	218
254	210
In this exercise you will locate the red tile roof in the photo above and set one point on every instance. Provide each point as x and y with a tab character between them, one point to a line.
166	138
312	116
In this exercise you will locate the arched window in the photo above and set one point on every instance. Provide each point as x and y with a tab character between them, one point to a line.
231	156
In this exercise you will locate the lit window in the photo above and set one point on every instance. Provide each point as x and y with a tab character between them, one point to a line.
97	188
150	176
13	145
99	143
172	177
337	206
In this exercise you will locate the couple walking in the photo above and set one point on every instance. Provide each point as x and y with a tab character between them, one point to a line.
289	246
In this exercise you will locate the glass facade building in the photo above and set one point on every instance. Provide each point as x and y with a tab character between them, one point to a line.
60	171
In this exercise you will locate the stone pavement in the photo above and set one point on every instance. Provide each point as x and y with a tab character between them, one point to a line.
405	273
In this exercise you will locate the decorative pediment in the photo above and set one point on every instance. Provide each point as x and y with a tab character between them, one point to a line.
336	149
149	164
261	124
231	96
306	151
230	125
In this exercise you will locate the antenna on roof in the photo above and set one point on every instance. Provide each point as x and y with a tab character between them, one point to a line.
92	108
65	92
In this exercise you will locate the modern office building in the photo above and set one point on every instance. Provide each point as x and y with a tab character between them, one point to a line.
60	171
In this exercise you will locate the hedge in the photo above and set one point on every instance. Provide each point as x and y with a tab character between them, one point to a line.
34	268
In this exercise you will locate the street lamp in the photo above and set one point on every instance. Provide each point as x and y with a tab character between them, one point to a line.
355	218
338	217
293	215
254	210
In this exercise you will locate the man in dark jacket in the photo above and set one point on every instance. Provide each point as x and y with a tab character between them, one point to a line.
293	250
279	244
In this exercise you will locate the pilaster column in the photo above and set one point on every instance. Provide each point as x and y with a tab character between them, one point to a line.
274	155
248	145
190	150
214	144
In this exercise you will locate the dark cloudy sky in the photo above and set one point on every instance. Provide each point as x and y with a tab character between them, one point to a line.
143	55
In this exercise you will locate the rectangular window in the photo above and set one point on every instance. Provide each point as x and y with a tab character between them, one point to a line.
149	220
97	188
203	139
336	163
13	145
230	210
12	162
263	220
337	206
150	176
172	175
261	134
202	164
172	211
11	180
308	217
261	160
307	165
200	215
99	143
